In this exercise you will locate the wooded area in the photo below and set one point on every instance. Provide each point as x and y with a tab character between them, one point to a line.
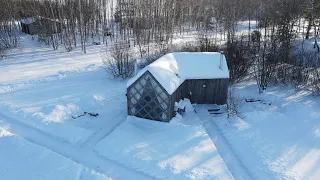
265	49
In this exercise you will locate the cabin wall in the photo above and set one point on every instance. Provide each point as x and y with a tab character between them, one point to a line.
32	29
179	94
204	91
42	26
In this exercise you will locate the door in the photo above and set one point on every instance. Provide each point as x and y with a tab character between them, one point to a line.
199	90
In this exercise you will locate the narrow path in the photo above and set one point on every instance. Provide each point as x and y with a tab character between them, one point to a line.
233	162
82	156
103	132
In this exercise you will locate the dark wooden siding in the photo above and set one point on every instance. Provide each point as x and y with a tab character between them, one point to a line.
204	91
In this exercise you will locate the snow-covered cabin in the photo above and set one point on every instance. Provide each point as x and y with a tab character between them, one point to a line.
40	25
27	25
201	77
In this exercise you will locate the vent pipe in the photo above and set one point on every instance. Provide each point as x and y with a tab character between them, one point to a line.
221	60
135	67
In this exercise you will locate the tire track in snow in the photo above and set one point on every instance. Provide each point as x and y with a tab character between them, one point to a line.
90	143
231	159
82	156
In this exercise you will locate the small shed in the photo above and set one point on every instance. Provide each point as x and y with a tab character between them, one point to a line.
201	77
40	25
28	26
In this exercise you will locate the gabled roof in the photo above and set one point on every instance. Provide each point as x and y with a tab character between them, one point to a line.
29	20
173	69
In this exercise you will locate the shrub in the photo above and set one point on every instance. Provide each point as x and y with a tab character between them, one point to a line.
238	59
233	104
119	61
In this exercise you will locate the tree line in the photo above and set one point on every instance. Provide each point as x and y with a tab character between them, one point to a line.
264	49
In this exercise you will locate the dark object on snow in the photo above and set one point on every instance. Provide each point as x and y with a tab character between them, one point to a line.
216	110
258	100
97	43
84	113
94	114
75	117
182	110
219	112
252	100
264	102
109	34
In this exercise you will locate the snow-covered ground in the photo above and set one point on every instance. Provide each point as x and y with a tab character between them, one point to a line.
277	141
180	149
41	90
21	159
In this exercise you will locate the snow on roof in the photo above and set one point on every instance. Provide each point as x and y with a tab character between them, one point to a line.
29	20
173	69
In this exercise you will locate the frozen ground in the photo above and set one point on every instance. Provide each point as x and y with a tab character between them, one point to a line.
41	89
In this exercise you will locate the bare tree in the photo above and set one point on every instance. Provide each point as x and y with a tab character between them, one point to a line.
119	61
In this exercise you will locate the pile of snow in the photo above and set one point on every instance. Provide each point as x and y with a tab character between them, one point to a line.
21	159
4	131
180	149
62	131
173	69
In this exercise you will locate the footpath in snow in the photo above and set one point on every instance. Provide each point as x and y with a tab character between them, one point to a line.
38	105
84	155
180	149
22	159
233	162
276	140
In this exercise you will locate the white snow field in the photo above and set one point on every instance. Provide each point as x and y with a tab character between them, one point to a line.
180	149
277	141
41	90
21	159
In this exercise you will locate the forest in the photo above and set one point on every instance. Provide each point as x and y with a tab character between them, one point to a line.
274	48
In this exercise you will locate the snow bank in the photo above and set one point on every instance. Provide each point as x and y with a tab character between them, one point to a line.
180	149
61	113
21	159
4	132
63	131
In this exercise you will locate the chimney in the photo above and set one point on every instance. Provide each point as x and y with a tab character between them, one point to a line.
135	67
221	60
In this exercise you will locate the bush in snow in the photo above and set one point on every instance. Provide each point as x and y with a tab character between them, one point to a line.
315	76
233	104
2	52
315	82
207	45
8	37
239	61
119	61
